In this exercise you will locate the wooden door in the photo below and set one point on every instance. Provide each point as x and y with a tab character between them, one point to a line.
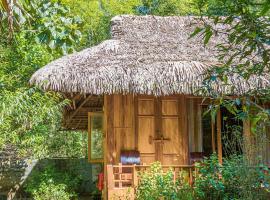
170	131
146	129
159	134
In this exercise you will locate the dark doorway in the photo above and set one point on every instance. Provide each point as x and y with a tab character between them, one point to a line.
232	133
207	131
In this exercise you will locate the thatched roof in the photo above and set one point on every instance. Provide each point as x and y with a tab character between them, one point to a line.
146	55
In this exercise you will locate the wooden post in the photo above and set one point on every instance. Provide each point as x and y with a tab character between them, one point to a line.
247	140
105	190
219	141
135	177
110	179
213	135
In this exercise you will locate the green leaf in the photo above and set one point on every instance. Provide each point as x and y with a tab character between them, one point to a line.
196	32
208	35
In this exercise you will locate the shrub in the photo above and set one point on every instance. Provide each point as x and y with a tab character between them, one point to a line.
52	183
52	191
157	184
235	179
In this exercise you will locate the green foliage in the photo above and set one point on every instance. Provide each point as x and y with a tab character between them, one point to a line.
209	180
51	184
97	144
55	26
22	117
165	8
97	14
235	179
29	117
51	191
69	144
157	184
48	22
244	54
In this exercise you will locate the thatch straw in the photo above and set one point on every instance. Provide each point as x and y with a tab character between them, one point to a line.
146	55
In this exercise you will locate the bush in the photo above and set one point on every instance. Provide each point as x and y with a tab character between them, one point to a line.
52	191
157	184
235	179
50	183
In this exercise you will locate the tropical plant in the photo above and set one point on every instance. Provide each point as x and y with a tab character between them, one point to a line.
55	26
29	117
244	54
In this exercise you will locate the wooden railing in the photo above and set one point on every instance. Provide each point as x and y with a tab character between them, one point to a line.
123	179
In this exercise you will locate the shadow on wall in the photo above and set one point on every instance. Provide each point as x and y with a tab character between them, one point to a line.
15	173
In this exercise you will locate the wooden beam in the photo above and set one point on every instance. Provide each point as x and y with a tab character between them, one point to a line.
88	109
219	141
77	110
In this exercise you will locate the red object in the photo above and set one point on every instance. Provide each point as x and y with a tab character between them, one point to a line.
100	183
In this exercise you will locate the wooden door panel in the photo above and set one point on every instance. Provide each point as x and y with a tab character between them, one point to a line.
146	129
146	107
170	107
170	130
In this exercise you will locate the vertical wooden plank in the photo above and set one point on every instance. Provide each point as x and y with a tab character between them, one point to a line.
247	140
135	119
135	177
105	108
158	129
199	122
184	135
130	131
120	175
89	137
110	177
190	121
124	132
219	141
128	112
109	107
195	125
213	135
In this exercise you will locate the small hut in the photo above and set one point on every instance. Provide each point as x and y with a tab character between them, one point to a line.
138	93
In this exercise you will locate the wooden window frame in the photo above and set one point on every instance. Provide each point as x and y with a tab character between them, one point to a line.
91	114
